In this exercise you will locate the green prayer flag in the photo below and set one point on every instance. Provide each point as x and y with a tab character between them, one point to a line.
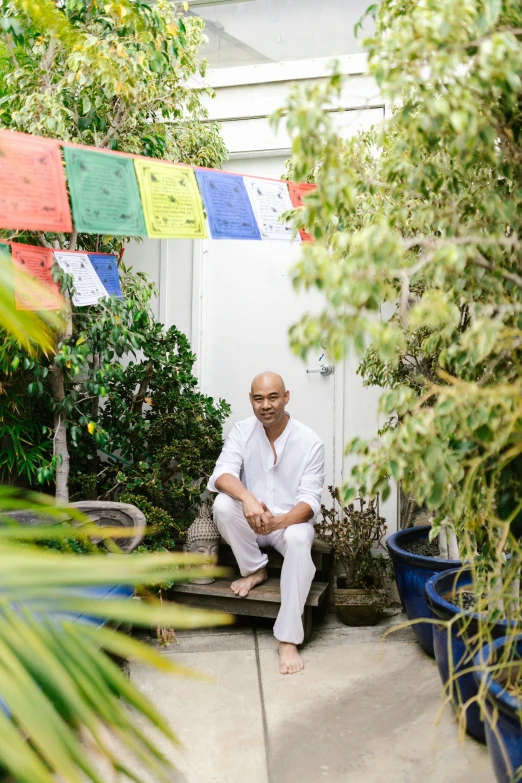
104	193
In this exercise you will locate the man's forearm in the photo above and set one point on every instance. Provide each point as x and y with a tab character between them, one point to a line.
301	512
231	486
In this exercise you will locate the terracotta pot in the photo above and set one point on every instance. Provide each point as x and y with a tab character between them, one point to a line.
359	607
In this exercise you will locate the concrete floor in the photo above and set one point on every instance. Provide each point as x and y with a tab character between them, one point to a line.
362	711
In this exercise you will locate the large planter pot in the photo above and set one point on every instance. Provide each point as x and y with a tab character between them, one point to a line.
504	735
457	641
411	574
359	607
451	651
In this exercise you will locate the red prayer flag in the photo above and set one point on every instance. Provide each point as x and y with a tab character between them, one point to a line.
36	262
33	194
297	191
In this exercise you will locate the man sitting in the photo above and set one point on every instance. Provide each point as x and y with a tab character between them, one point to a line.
269	477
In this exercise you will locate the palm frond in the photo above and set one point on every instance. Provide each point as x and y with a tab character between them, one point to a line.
58	685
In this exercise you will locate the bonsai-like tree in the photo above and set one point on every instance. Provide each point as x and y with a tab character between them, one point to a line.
118	75
355	535
425	212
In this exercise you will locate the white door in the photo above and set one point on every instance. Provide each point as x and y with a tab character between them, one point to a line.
245	309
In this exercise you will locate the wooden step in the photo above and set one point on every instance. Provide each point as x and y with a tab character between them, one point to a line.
262	601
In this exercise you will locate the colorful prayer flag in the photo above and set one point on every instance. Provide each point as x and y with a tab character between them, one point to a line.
270	200
33	194
106	267
88	289
36	262
229	211
297	192
104	193
171	200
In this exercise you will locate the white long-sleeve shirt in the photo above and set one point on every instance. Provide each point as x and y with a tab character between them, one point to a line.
297	476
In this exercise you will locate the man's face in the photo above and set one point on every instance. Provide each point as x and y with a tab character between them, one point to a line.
268	398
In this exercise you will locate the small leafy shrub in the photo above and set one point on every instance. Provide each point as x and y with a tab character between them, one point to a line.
354	534
138	430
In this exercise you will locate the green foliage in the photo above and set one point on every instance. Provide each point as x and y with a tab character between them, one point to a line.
121	75
110	72
129	391
354	535
115	74
56	682
424	213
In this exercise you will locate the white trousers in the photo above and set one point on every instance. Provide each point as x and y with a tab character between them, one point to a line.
294	543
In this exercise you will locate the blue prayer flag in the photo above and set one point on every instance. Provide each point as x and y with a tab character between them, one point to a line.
106	268
229	211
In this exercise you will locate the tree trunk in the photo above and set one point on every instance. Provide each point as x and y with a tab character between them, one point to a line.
60	448
92	494
448	545
60	437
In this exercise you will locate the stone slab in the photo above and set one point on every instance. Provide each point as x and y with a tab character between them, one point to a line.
364	713
219	721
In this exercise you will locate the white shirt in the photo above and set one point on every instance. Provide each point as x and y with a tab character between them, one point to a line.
297	475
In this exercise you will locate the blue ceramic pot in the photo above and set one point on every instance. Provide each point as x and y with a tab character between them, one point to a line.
451	641
506	757
411	574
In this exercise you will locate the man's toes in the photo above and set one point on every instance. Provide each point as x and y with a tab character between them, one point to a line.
243	592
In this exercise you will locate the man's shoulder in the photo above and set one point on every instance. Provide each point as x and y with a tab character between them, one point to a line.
245	425
306	433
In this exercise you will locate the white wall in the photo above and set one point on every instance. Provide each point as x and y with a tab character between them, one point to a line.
144	256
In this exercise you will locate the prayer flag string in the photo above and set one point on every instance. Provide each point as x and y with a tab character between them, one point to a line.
120	194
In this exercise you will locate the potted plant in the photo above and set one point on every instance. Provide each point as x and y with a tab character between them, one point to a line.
415	559
498	671
469	616
354	534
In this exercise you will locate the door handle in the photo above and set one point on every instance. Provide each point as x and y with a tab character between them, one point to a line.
324	369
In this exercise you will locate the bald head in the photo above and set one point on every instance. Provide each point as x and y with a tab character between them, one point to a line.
268	378
269	397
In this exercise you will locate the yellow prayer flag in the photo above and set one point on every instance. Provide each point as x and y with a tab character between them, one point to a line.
171	200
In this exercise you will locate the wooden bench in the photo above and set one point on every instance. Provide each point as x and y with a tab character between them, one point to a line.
265	599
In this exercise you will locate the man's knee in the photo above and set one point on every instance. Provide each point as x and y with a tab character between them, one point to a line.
224	507
300	536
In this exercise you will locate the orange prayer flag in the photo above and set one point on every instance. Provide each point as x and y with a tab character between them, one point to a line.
35	262
297	191
33	194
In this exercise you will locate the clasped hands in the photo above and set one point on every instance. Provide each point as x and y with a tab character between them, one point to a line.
259	517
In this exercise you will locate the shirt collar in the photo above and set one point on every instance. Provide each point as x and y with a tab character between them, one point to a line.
280	443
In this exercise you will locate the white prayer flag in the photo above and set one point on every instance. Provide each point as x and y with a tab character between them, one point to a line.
88	287
269	201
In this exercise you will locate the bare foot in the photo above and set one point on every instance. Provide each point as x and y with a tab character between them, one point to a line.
243	586
290	662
